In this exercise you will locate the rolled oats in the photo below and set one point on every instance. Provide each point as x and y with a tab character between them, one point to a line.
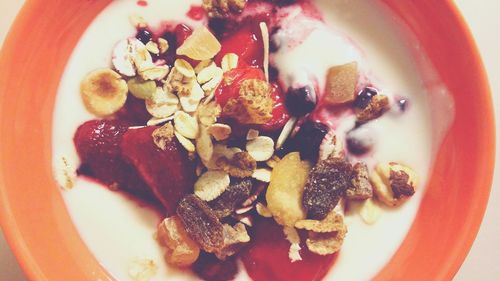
211	185
220	132
186	143
229	61
262	174
186	125
162	104
261	148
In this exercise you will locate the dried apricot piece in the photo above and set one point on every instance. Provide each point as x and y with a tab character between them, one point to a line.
181	249
284	194
103	92
341	83
201	223
326	184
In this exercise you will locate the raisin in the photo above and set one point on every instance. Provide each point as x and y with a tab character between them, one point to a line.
399	184
327	182
201	223
234	195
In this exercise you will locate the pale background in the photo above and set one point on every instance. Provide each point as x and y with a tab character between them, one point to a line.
482	261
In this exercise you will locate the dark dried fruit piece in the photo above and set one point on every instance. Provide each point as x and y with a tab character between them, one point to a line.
242	165
327	182
400	186
361	187
209	268
233	196
308	139
201	223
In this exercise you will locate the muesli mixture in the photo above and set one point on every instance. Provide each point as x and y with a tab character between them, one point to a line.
197	120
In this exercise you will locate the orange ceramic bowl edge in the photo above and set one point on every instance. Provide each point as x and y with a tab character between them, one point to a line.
40	231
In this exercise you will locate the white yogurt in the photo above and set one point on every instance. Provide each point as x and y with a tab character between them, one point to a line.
118	231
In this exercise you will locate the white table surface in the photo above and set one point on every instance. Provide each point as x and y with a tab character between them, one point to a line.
482	262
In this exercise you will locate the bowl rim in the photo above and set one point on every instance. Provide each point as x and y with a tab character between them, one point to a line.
32	267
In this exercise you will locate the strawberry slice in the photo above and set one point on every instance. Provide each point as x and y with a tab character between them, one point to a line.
230	88
170	173
98	145
267	257
246	42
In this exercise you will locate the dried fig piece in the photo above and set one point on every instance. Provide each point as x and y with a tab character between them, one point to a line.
242	165
327	183
361	187
201	223
237	192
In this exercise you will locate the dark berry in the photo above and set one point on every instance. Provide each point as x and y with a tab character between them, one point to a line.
364	97
300	101
209	268
403	104
309	138
144	35
359	141
218	26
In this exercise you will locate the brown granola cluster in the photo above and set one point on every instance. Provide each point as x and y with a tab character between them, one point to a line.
223	8
254	104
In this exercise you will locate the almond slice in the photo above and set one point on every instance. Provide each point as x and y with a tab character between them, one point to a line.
211	184
186	143
190	100
158	121
186	125
285	133
103	92
265	40
201	45
153	48
204	145
261	148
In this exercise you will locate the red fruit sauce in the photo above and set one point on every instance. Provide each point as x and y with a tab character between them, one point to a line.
142	3
196	13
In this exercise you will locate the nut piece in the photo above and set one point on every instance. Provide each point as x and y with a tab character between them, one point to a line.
201	223
325	186
229	61
182	251
341	83
235	195
254	104
370	212
361	187
284	194
377	106
103	92
293	237
261	148
162	104
220	132
223	8
186	125
241	165
333	222
211	184
234	239
200	45
326	243
393	183
163	135
142	269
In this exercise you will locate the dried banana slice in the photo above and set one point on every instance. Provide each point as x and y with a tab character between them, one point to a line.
103	92
201	45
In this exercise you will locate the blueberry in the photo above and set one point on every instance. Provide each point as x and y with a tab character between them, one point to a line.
359	141
403	104
144	35
364	97
300	101
309	138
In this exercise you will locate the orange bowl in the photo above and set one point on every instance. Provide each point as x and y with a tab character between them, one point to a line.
33	214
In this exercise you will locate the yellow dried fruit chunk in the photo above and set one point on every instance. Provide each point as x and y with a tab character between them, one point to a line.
201	45
333	222
103	92
341	83
326	243
284	194
182	251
